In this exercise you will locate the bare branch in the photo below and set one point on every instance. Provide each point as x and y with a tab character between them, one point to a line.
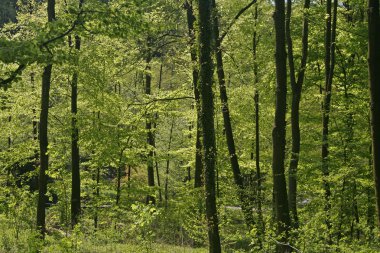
221	38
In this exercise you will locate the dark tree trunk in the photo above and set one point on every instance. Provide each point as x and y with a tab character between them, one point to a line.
207	120
166	193
245	202
44	158
279	131
97	178
296	85
43	134
154	153
370	200
329	71
148	127
374	83
75	174
97	194
198	180
120	169
260	221
158	177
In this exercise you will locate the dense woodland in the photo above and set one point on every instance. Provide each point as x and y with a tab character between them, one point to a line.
189	126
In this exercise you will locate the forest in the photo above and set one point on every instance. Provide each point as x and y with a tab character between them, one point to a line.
190	126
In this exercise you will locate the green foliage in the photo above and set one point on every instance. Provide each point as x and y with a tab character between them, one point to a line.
113	109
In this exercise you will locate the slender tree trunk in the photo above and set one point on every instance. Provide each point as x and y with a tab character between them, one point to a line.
207	120
330	35
154	153
296	85
97	194
260	220
246	204
279	131
97	189
374	83
75	175
150	135
158	177
166	193
119	172
370	200
198	181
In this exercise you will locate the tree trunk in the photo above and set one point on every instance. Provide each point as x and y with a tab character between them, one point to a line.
207	120
296	86
166	193
43	135
44	158
97	187
198	180
75	175
374	83
370	222
260	220
150	135
279	131
330	35
246	204
120	167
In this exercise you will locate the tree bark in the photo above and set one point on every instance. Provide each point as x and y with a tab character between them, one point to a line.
166	192
75	172
330	35
279	131
374	84
296	85
43	135
148	127
207	120
198	180
260	220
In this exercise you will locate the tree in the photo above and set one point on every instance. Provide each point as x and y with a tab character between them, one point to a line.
330	34
296	86
207	119
43	134
75	192
279	131
242	191
198	181
374	83
257	131
150	135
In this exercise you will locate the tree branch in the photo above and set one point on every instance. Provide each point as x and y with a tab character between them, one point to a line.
221	38
4	82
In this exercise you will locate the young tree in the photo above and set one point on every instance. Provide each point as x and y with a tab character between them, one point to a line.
207	120
374	83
